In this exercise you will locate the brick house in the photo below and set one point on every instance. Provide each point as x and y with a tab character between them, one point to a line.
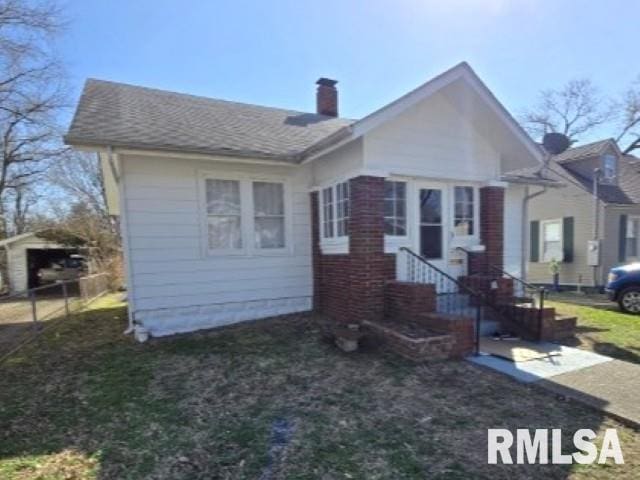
231	212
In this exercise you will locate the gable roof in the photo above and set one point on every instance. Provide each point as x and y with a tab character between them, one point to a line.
116	114
461	71
120	115
587	150
627	189
625	192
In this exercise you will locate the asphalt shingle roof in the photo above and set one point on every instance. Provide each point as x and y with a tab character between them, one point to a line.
582	151
116	114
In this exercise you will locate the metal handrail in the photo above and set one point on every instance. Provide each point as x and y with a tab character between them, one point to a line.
505	273
445	274
541	290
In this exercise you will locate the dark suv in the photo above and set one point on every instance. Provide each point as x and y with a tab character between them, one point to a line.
623	286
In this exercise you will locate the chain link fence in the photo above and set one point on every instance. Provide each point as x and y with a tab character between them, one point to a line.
24	315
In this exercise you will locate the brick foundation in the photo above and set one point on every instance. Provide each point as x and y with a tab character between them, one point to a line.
405	301
462	329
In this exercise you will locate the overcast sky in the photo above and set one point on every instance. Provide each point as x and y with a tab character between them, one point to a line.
271	52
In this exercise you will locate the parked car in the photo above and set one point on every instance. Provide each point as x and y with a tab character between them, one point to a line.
623	286
64	269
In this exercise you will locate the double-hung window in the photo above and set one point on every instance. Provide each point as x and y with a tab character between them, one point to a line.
633	235
245	216
395	208
335	211
551	239
268	211
224	214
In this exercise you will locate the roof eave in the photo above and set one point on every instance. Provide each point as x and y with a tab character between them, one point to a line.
93	144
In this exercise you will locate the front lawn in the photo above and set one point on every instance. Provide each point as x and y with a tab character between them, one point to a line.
602	327
264	400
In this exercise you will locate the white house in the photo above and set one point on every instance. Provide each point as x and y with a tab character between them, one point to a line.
232	212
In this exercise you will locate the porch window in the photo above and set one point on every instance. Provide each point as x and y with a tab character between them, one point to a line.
552	240
342	209
268	208
633	231
463	211
395	208
224	214
327	212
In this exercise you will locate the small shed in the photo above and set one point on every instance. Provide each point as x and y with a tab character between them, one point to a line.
25	254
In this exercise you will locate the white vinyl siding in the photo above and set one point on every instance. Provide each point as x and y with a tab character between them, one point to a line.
176	285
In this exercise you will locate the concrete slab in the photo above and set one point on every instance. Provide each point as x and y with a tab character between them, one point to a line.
568	360
611	386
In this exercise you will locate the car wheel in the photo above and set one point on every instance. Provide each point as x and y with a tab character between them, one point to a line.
630	300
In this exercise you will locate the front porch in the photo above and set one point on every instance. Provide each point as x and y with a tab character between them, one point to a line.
432	281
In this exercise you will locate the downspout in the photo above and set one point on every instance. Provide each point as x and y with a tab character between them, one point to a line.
525	222
116	171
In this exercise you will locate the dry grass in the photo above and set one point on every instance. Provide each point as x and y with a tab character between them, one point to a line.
264	400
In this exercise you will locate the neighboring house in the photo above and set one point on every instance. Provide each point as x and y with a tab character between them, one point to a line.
24	255
232	212
562	220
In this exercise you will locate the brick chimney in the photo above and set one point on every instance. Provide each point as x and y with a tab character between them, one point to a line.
327	97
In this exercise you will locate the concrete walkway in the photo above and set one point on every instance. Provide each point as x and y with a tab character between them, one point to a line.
593	379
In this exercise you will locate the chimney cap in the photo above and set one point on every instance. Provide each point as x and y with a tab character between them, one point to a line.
326	82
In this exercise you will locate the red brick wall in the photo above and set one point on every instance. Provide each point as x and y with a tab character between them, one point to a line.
405	301
492	224
350	287
461	328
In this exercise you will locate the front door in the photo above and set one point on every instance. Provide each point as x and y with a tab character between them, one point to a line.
432	222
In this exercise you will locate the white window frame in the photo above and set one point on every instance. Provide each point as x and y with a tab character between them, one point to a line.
630	220
542	229
475	199
247	214
334	244
400	238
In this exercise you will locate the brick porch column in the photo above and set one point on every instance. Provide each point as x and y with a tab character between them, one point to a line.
492	224
368	265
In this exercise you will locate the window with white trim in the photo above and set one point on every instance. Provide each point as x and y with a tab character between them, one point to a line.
633	234
268	211
463	210
224	214
335	211
237	209
342	209
395	208
327	212
551	240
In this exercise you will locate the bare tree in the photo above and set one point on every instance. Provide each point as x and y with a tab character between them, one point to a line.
630	118
574	110
31	92
79	176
